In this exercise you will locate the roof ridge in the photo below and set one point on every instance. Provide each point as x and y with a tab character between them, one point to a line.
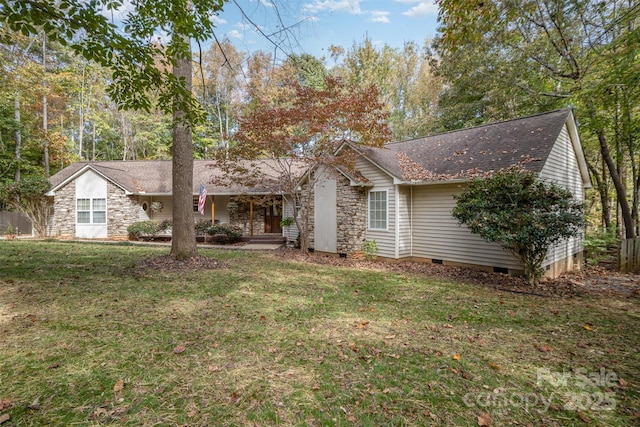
568	109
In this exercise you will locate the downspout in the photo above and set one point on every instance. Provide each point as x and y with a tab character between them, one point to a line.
397	215
411	221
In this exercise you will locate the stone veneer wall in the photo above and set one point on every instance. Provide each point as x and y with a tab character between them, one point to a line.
351	212
308	202
64	211
240	217
122	211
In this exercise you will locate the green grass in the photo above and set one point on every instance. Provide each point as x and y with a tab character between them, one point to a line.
87	339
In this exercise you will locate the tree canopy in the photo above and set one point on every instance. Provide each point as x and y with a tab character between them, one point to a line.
502	59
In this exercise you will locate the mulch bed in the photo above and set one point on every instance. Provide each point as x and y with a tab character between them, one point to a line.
589	281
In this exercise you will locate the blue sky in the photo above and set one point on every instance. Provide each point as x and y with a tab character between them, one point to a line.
314	25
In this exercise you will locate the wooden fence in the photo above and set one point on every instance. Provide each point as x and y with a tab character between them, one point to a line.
629	259
15	220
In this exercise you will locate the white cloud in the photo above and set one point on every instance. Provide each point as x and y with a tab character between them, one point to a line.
217	20
349	6
379	16
423	8
234	34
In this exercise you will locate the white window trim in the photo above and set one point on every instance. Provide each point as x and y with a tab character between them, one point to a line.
386	194
91	211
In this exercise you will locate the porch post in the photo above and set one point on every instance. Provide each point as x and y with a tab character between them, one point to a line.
251	218
213	211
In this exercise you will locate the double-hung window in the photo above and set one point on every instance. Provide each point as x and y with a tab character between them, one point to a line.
91	211
378	210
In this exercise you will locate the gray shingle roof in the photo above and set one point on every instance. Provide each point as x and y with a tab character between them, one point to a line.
461	154
154	176
472	152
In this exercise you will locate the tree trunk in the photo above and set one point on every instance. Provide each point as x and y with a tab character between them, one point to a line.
603	192
625	211
81	112
45	117
183	240
18	153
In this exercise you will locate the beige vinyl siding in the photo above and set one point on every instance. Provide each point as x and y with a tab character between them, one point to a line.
167	208
562	168
437	235
385	239
221	214
403	223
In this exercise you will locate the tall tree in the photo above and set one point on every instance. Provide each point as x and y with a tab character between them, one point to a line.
534	55
220	86
138	65
408	87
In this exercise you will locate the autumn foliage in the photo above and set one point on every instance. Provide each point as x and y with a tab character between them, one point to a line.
313	123
301	133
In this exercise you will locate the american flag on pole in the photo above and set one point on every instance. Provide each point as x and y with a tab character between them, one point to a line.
202	198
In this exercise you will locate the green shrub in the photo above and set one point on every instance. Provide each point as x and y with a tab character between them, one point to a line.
225	233
140	229
202	227
370	250
287	222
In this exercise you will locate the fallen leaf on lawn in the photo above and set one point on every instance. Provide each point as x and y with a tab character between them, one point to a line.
4	417
213	368
362	325
389	337
54	366
484	419
456	357
623	382
584	418
315	387
179	349
119	385
35	405
588	326
4	404
545	348
235	397
466	376
454	370
494	366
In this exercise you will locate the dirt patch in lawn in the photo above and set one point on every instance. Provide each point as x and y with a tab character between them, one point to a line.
592	280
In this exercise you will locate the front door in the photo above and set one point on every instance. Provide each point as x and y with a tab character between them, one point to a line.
272	217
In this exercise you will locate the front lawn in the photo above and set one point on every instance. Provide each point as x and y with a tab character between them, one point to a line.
87	338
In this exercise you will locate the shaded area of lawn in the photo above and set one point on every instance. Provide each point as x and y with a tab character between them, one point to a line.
89	338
